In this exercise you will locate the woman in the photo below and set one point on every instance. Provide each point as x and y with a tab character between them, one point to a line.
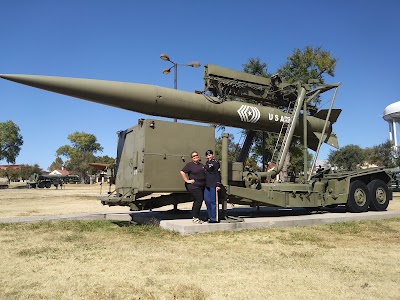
213	180
194	177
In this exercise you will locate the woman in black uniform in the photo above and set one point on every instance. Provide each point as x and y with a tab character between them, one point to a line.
213	180
194	177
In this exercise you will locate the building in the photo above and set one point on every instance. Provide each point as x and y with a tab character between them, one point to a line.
5	167
60	172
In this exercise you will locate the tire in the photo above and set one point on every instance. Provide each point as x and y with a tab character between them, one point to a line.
359	197
41	185
380	195
47	184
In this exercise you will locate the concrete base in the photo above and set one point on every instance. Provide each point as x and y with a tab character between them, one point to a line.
251	218
187	227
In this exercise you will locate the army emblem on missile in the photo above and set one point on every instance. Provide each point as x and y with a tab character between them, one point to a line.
248	114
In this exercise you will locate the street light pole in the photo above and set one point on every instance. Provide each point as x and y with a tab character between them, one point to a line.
193	64
175	77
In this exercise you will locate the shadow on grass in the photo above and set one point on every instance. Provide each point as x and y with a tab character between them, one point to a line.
154	217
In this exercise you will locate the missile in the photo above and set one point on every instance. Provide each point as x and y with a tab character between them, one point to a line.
171	103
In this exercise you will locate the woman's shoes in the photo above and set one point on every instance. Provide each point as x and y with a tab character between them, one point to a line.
197	221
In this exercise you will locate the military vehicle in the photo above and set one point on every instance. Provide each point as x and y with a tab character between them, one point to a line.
394	174
4	183
151	153
45	181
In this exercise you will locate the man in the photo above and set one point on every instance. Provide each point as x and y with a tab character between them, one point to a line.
194	177
213	180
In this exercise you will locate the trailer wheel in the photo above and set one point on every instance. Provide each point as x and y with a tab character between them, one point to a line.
359	197
380	195
47	184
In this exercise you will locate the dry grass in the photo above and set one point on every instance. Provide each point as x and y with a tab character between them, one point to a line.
105	260
75	198
111	260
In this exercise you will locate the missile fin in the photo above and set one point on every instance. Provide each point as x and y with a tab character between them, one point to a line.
312	142
331	139
322	114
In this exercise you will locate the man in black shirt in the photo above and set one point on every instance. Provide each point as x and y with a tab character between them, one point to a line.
213	180
194	177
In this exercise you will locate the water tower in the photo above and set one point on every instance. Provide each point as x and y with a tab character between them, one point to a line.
391	114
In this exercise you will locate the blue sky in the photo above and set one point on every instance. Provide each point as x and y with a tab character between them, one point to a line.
122	41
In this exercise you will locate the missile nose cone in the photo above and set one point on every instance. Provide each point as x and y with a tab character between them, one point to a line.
7	75
14	77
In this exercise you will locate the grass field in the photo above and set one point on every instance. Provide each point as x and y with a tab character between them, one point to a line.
112	260
106	260
75	198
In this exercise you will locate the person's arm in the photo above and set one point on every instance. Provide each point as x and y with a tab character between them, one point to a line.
218	168
185	178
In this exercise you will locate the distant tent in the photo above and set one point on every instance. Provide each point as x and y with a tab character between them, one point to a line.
60	172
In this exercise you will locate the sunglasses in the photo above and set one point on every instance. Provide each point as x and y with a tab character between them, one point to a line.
196	155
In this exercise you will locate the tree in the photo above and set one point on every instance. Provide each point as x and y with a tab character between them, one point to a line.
302	65
233	152
101	159
347	158
27	170
233	148
81	153
105	159
10	141
381	155
10	173
310	63
57	164
256	67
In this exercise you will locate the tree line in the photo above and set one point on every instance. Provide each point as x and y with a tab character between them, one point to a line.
353	157
77	156
350	157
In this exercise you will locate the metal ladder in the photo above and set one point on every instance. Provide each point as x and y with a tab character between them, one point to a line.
286	133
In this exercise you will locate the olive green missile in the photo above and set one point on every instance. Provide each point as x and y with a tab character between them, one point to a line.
171	103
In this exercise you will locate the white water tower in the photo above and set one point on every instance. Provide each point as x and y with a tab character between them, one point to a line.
391	114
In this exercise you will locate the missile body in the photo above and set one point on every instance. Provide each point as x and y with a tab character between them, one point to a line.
165	102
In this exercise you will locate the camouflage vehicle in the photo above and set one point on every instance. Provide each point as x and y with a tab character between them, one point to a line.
4	183
46	181
150	154
394	174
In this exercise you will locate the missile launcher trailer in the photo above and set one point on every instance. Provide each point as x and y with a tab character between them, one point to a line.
359	191
151	154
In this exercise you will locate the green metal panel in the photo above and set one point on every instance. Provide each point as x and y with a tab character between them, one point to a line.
130	164
154	153
213	70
